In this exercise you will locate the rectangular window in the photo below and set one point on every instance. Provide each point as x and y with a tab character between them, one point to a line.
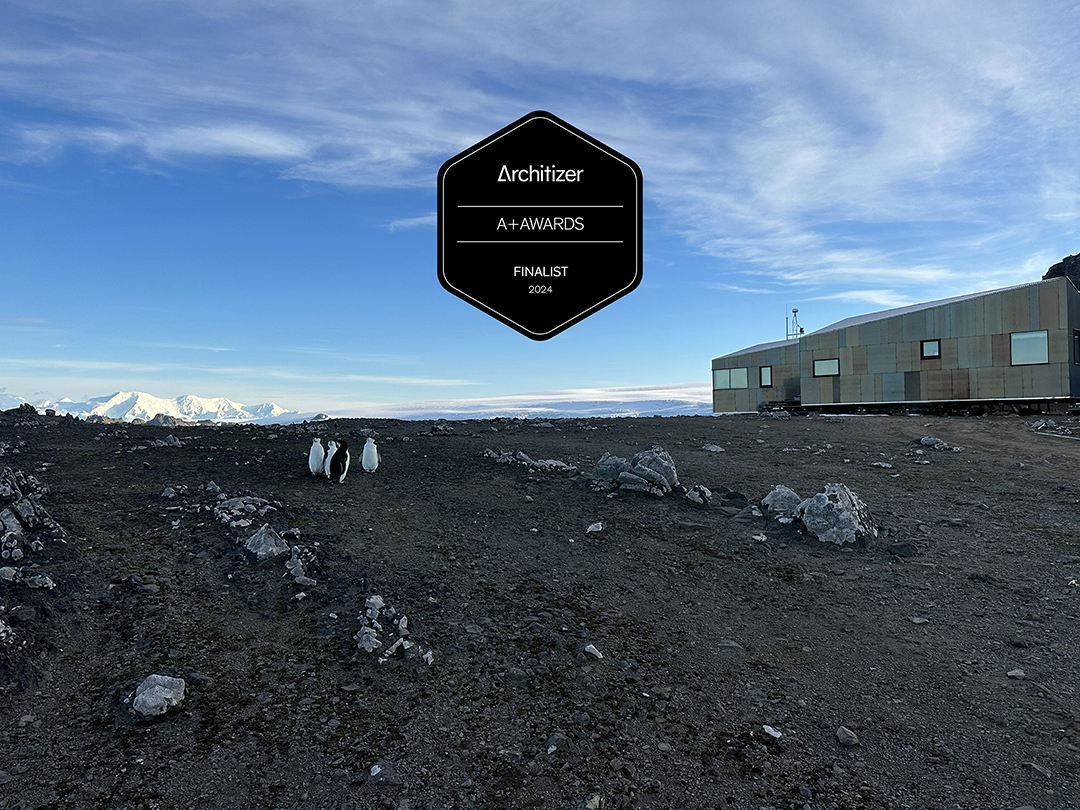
827	368
1029	348
765	377
1076	346
724	378
931	349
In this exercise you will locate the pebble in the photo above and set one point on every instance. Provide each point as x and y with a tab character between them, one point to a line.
665	747
846	736
1017	673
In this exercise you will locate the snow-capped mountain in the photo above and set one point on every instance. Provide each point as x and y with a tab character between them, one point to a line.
129	405
9	401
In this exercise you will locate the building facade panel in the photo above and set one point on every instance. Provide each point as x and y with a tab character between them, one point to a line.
970	354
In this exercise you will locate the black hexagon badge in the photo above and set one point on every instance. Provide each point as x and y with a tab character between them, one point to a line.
540	225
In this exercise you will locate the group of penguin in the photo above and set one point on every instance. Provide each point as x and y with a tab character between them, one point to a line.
334	461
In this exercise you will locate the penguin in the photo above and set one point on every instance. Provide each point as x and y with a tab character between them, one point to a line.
317	457
331	448
370	458
339	464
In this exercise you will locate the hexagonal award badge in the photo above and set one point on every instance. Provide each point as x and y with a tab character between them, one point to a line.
540	225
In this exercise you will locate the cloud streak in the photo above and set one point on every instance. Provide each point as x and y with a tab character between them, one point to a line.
776	137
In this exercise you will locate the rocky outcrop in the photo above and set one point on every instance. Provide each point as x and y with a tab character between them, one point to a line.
650	471
1068	267
838	516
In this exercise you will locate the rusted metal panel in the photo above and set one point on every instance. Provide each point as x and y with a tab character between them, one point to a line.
939	384
913	326
850	389
961	383
1049	306
991	383
1015	311
892	387
881	359
870	388
846	369
858	359
964	321
1057	345
895	329
948	353
1000	350
1046	380
1014	382
912	388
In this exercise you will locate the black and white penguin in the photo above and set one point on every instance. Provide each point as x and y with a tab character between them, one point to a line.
339	464
331	448
370	458
317	457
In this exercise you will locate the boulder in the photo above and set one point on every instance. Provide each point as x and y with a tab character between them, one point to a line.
157	694
838	516
266	544
650	471
781	502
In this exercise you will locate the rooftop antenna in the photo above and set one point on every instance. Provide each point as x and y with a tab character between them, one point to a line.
791	325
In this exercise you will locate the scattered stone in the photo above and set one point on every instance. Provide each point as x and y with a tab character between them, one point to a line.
846	736
838	516
266	543
650	471
556	742
883	464
772	732
169	493
383	773
595	527
158	694
1017	673
903	549
543	465
714	448
934	444
700	494
591	650
782	502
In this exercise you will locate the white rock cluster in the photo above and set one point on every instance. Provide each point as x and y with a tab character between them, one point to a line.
543	465
380	618
836	515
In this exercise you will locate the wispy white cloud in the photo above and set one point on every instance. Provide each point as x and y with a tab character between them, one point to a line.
167	370
778	137
184	347
425	221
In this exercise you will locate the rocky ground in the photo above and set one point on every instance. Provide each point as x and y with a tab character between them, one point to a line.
674	656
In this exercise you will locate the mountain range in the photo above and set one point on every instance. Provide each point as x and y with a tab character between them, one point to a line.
650	400
130	405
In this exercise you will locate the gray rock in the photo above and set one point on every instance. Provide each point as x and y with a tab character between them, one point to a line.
383	773
157	694
700	494
838	516
846	736
168	493
781	501
266	543
556	742
609	468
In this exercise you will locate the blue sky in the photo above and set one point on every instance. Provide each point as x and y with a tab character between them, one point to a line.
238	198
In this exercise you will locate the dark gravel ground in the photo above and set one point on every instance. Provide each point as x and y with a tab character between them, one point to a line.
710	629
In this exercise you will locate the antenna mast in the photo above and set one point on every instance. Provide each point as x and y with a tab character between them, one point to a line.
792	329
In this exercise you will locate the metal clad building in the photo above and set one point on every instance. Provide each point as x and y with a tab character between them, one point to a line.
1017	343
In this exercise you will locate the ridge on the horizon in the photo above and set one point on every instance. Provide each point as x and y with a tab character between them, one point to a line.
680	399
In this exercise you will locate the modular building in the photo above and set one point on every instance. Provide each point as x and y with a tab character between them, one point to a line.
1018	343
